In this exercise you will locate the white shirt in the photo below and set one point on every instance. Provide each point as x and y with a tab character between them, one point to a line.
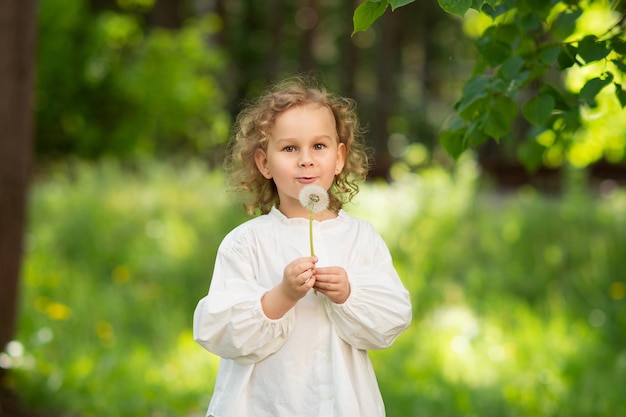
312	362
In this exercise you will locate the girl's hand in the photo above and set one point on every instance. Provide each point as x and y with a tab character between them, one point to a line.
332	281
298	277
297	280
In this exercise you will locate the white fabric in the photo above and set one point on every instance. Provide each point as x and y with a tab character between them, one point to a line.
312	362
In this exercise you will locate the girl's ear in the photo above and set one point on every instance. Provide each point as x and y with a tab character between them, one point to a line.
260	157
341	158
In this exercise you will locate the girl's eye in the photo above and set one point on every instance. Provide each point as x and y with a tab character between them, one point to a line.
319	146
289	148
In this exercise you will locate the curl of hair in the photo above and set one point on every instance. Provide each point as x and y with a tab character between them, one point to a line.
252	131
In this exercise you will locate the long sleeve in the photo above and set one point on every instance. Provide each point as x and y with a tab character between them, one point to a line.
379	307
230	321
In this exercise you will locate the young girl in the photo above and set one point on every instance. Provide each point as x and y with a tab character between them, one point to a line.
286	350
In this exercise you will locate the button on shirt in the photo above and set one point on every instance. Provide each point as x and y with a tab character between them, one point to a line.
313	361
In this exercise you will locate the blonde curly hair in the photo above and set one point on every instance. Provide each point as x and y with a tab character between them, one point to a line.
252	131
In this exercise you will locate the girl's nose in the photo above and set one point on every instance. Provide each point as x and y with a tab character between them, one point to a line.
305	159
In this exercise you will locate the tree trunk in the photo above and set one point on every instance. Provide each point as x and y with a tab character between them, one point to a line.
17	64
168	14
276	28
386	74
349	60
308	21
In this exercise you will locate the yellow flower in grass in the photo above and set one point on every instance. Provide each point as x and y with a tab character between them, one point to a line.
58	311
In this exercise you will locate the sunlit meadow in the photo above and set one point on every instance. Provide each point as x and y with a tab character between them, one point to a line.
519	298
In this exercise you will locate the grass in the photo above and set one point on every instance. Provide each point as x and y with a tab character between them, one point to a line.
519	300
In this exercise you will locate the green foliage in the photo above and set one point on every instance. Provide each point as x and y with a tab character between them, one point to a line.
542	39
367	13
458	7
108	86
537	110
117	259
519	300
524	49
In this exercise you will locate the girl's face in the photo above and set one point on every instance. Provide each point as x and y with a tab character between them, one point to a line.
303	149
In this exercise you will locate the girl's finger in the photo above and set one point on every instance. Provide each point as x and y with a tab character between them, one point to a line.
307	275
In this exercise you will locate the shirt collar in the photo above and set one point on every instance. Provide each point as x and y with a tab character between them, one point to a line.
299	221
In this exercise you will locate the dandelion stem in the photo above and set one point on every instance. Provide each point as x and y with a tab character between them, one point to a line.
311	231
311	239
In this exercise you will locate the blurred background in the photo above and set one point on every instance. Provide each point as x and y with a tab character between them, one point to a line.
517	278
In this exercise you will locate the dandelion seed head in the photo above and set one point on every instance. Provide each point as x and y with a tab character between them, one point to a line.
314	198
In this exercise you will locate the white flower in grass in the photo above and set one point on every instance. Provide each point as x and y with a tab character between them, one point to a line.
314	198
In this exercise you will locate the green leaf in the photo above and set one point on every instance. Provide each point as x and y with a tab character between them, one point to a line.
571	120
475	136
367	13
564	24
620	94
454	142
567	56
495	44
529	22
510	68
591	89
539	6
476	4
457	7
620	65
399	3
530	154
475	97
497	119
590	49
494	11
476	85
618	45
550	53
538	109
493	51
519	81
472	107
